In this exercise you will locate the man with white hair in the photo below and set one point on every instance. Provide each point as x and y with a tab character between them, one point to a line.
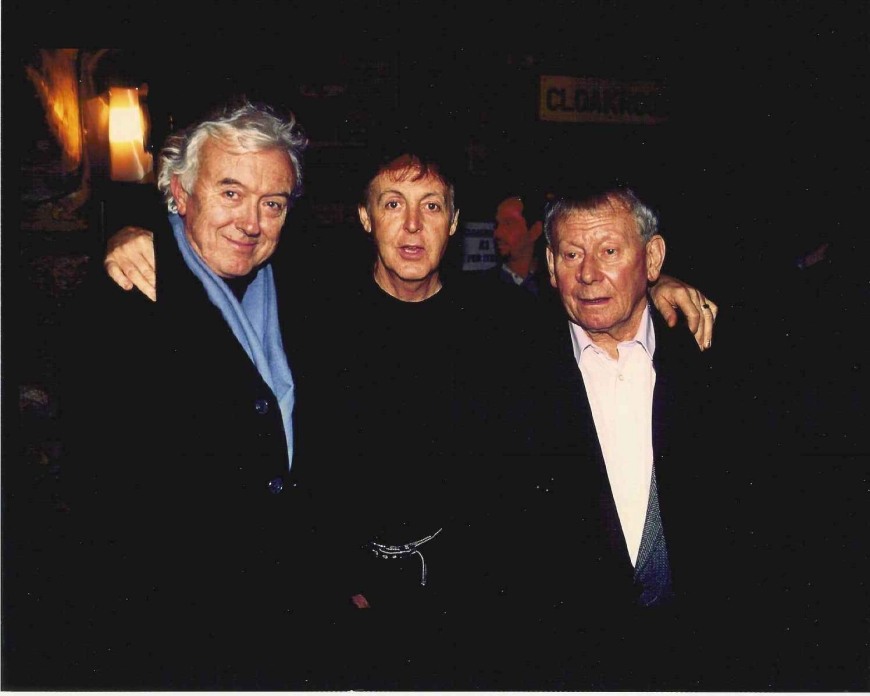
187	489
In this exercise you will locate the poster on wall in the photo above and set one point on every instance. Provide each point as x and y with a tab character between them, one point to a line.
592	100
478	250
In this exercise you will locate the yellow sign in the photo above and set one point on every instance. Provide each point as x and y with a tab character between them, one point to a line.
590	100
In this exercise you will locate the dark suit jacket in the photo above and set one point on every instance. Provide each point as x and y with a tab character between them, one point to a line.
194	546
569	578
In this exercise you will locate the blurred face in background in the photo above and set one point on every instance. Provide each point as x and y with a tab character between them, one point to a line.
513	238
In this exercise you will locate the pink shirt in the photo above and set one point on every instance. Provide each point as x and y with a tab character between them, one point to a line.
620	393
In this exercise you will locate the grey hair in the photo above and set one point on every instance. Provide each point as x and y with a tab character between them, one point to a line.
559	209
247	128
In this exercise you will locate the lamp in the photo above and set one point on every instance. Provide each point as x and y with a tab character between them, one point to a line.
128	160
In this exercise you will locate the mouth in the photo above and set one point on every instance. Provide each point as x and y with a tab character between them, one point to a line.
593	302
411	251
241	245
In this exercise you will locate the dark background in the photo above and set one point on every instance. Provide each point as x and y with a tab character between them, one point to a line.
763	157
760	159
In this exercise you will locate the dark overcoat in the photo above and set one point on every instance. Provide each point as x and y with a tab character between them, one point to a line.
194	542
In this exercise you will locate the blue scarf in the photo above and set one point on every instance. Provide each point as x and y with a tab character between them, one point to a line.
254	322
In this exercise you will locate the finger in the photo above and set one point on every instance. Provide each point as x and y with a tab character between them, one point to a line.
666	309
145	266
690	306
705	327
116	274
709	310
697	299
360	602
714	308
141	279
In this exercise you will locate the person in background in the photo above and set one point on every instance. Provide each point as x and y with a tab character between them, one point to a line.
517	236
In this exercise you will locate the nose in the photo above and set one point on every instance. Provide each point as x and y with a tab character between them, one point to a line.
588	271
249	220
412	220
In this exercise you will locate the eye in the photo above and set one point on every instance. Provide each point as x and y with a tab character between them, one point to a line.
232	195
392	205
434	207
570	255
276	206
610	252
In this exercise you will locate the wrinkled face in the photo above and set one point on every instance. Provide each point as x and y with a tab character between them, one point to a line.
409	220
512	234
234	214
601	266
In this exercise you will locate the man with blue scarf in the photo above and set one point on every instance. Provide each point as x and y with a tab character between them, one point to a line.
190	556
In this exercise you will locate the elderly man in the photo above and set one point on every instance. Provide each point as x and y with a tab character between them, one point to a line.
191	500
621	500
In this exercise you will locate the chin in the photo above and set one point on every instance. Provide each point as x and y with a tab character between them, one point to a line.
414	274
590	324
238	272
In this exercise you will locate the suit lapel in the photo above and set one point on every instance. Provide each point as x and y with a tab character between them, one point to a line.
679	441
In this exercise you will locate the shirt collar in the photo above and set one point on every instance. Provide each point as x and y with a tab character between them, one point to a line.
645	336
516	277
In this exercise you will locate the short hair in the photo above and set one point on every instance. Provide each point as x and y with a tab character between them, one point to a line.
246	128
533	201
593	197
420	149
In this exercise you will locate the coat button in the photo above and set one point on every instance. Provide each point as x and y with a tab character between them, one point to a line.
276	485
262	406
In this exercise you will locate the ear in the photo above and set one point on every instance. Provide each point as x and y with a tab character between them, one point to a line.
364	218
179	194
455	223
536	230
551	266
655	258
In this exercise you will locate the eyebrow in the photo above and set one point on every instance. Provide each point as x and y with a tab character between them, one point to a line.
228	181
399	193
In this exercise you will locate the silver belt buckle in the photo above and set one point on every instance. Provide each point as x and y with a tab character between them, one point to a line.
409	549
